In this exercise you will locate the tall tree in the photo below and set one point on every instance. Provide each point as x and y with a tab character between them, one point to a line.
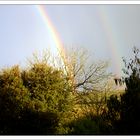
84	74
124	112
130	101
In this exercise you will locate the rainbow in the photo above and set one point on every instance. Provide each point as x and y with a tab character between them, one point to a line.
53	32
107	26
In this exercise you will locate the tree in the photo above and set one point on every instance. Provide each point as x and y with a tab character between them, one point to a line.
41	99
128	106
47	85
34	100
13	99
49	89
83	73
130	101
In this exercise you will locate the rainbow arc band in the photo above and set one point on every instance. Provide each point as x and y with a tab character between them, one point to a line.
106	25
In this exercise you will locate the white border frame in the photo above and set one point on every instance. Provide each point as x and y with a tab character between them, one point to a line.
83	137
67	2
70	137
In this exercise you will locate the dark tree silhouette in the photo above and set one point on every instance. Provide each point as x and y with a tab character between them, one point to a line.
128	106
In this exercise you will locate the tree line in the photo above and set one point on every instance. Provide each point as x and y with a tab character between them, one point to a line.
72	96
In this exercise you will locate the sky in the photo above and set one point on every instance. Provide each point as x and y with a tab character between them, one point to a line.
108	32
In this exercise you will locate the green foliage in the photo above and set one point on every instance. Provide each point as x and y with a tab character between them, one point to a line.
33	101
130	101
13	98
84	126
47	87
42	100
90	125
124	112
12	90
